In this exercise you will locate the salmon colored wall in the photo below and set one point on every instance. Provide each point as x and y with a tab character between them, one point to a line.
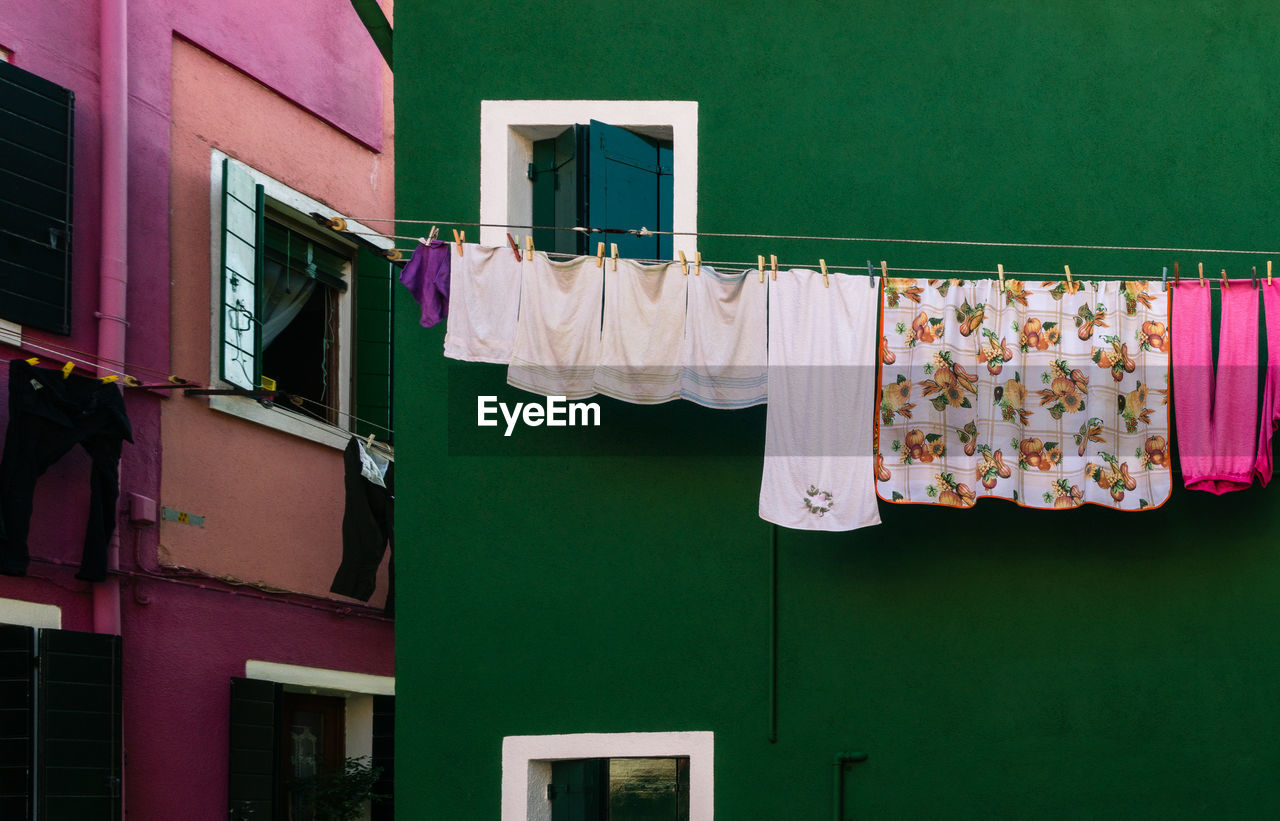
272	501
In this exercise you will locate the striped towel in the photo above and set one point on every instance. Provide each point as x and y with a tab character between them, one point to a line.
643	327
558	332
725	340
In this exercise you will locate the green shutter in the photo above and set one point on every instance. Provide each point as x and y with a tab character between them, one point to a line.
242	258
374	295
251	784
79	768
384	757
579	790
36	138
17	688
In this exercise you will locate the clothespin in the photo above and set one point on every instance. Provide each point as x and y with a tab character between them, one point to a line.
684	261
1255	277
35	360
600	255
871	272
1176	279
884	274
613	252
528	246
131	381
1201	266
459	239
826	281
107	380
368	443
760	266
515	249
423	241
1000	271
1225	284
1164	278
1268	272
697	263
773	266
67	369
435	232
1071	286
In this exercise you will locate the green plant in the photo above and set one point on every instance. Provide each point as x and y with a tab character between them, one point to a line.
341	795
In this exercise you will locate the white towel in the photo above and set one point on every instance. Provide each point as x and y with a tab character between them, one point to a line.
484	300
558	332
643	328
725	340
818	462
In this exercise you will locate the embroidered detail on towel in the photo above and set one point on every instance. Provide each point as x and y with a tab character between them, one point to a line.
1049	396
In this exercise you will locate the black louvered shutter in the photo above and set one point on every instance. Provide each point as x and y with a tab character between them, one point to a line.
251	787
384	756
79	720
36	118
17	686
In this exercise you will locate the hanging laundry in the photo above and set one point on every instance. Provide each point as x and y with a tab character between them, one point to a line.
558	333
427	277
818	435
1271	387
485	297
1217	410
643	329
1048	395
48	415
725	340
367	522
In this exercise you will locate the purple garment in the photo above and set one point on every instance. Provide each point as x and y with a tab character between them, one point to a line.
427	278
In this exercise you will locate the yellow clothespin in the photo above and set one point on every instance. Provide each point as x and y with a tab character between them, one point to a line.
1000	270
107	380
1071	286
600	255
1225	284
67	369
760	266
368	443
35	360
826	281
773	267
613	252
1268	272
458	239
684	261
528	246
697	263
1201	274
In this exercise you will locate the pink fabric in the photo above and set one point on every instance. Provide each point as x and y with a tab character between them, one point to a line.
1271	390
1216	412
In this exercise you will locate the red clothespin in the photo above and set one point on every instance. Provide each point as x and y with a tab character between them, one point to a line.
1176	279
515	249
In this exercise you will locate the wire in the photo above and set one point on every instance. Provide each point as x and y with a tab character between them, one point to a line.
814	238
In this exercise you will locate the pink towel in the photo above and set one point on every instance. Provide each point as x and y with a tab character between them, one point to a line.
1271	389
1217	413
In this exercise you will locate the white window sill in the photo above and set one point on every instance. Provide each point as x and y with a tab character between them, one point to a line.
281	420
10	333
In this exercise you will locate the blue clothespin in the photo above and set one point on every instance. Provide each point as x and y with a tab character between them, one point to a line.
1164	278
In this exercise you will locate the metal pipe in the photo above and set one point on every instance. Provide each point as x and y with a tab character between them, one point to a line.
842	761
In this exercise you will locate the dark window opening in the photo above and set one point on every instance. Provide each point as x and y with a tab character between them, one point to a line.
620	789
311	745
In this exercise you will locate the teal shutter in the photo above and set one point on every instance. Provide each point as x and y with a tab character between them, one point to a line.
17	689
252	784
372	390
578	790
242	260
78	718
36	136
629	186
384	757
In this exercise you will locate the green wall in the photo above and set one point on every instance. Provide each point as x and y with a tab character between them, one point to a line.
992	663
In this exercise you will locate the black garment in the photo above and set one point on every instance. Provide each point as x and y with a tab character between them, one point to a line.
366	531
48	415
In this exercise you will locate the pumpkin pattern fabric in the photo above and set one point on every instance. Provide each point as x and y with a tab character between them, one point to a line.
1048	395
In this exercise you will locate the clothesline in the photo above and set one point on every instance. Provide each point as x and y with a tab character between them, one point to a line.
814	238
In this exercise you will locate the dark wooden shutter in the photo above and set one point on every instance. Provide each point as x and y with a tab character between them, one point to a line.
374	294
78	775
579	789
384	756
17	688
629	186
36	133
251	788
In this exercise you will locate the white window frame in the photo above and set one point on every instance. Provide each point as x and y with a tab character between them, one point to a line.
284	199
30	614
10	333
527	759
508	129
358	689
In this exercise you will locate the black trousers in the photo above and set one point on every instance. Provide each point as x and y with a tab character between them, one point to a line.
48	415
366	531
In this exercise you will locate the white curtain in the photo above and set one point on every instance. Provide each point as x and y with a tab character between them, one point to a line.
284	293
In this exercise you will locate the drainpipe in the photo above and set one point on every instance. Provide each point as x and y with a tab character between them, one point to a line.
843	761
113	276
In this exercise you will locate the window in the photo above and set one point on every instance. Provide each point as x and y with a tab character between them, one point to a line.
36	135
614	776
60	704
639	145
301	309
289	724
